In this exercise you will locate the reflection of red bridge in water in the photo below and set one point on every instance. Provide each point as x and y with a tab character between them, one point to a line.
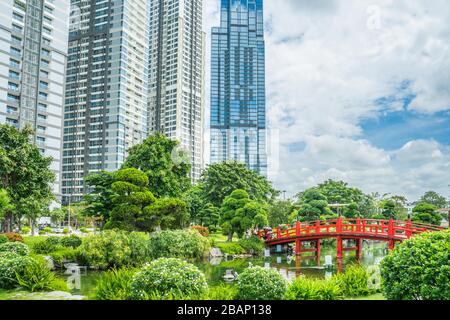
391	231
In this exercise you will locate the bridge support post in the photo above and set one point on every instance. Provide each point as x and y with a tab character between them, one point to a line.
298	247
391	245
318	252
339	248
359	246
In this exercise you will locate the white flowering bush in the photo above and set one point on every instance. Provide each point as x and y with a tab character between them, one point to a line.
168	278
15	247
257	283
11	264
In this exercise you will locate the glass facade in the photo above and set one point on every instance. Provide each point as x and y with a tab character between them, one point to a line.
238	98
106	89
33	53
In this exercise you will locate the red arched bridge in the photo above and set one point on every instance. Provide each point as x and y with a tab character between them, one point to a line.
307	235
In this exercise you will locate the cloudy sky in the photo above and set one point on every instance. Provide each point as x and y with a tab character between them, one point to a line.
357	90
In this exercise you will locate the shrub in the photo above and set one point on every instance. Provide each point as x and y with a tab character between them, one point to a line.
53	240
72	241
44	247
185	244
26	230
115	249
11	264
16	247
231	248
47	230
354	282
314	289
63	255
66	231
84	230
257	283
42	232
167	278
204	231
3	238
253	245
14	237
36	276
115	284
418	269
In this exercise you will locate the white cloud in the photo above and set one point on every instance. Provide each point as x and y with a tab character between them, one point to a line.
327	63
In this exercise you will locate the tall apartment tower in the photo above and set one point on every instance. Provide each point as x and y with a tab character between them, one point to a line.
176	75
238	93
106	88
33	52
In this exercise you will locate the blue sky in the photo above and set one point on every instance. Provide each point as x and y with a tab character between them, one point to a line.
358	92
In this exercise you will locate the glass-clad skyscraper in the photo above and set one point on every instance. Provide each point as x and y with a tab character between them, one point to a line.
238	98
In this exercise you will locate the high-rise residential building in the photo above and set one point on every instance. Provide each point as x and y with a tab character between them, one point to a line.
176	75
106	88
33	52
238	94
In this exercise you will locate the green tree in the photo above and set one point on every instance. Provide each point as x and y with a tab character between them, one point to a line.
158	157
209	216
168	213
24	172
313	204
426	213
130	197
240	213
58	215
279	212
220	180
99	202
435	199
195	203
32	209
389	209
5	203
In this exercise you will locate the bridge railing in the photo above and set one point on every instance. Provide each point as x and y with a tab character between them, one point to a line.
400	230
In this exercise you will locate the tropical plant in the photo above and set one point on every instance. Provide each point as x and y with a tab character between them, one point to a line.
279	212
314	289
37	276
418	269
15	247
257	283
354	281
168	276
115	284
185	244
11	264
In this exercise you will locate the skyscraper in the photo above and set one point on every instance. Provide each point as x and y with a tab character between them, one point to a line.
238	98
176	75
33	52
106	88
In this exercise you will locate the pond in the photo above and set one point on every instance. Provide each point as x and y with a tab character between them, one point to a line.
215	269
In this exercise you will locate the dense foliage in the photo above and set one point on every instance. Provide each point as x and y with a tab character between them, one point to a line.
354	281
37	276
279	212
253	245
313	204
168	276
220	180
15	247
426	213
11	264
240	214
29	191
161	159
257	283
115	249
418	269
435	199
115	284
314	289
185	244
